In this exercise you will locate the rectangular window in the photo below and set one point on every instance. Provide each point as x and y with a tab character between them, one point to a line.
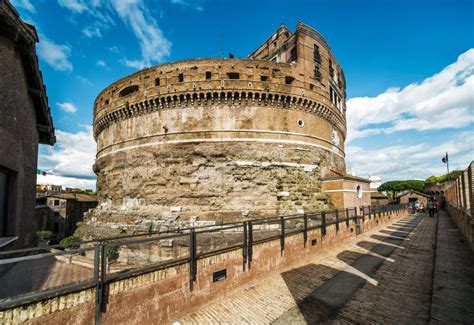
317	74
56	203
316	54
331	69
294	54
233	75
289	80
3	202
208	75
157	81
180	77
263	78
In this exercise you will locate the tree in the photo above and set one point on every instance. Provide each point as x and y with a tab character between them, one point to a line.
398	186
444	178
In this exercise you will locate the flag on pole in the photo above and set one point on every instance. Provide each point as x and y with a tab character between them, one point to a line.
445	159
40	172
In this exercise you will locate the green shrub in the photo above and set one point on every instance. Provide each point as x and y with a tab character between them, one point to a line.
67	241
112	253
44	235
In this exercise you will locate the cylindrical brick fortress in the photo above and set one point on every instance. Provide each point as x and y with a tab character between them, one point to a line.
223	139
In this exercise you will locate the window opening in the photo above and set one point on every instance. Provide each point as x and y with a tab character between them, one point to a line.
129	90
289	80
233	75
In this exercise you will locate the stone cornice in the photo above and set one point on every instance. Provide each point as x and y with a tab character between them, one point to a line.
219	97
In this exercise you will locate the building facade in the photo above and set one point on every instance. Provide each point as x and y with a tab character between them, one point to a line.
61	212
25	121
413	196
223	139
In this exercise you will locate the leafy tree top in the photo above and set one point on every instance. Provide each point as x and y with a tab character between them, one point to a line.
444	178
398	186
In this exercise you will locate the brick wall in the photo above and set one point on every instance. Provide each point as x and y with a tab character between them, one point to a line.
459	198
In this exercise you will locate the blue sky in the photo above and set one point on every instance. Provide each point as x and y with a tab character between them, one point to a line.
408	64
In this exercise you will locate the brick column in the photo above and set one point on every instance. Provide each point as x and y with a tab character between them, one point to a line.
463	191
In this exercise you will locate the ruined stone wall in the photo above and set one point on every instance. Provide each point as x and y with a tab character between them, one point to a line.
153	189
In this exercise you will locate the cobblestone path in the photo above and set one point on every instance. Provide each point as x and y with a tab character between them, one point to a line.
383	276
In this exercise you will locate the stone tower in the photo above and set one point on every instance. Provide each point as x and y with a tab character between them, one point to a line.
223	139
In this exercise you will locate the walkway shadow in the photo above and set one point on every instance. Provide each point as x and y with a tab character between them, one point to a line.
319	304
25	277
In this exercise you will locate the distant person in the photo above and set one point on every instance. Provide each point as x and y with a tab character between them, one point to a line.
417	206
431	208
422	207
436	206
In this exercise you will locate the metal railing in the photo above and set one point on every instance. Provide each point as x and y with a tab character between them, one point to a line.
97	263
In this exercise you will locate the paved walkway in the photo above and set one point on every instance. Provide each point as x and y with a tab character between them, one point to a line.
385	276
453	284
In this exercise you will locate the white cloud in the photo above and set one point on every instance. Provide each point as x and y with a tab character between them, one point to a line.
71	157
56	55
67	107
445	100
66	181
77	6
92	31
101	63
188	4
25	4
114	49
154	46
416	161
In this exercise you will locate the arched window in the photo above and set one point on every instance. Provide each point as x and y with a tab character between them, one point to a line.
128	90
359	191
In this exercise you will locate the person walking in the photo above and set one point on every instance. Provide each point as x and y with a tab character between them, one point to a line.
431	208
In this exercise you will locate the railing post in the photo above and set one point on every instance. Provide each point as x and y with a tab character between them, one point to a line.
192	258
244	246
370	208
99	254
323	223
282	235
305	229
250	243
337	219
347	217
